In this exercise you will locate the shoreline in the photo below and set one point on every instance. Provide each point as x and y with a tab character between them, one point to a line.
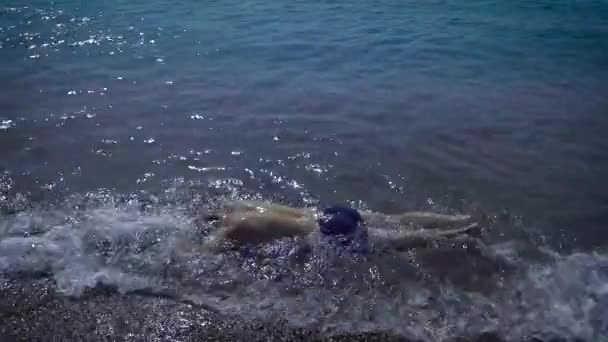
32	310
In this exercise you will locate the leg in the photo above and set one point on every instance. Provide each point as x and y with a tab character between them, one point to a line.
416	218
450	233
417	238
380	220
430	219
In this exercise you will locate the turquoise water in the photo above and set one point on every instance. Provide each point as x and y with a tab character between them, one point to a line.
492	107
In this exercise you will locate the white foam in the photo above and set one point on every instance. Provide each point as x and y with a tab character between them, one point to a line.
121	247
6	124
103	243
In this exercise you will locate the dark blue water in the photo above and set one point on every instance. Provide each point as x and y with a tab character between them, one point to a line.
492	107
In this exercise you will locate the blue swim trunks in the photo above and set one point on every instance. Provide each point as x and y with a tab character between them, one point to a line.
343	226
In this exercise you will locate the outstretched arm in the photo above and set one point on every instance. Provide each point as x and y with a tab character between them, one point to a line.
416	238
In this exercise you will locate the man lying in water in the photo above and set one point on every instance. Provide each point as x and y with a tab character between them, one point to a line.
245	223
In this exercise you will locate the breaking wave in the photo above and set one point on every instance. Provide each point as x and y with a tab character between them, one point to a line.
148	244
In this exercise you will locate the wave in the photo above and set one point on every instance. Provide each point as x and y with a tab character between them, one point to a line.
149	246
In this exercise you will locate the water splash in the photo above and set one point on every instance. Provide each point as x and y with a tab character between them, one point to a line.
105	245
149	243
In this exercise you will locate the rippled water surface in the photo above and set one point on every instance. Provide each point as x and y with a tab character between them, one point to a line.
121	120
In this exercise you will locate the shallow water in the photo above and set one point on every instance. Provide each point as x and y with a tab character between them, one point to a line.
147	244
162	109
